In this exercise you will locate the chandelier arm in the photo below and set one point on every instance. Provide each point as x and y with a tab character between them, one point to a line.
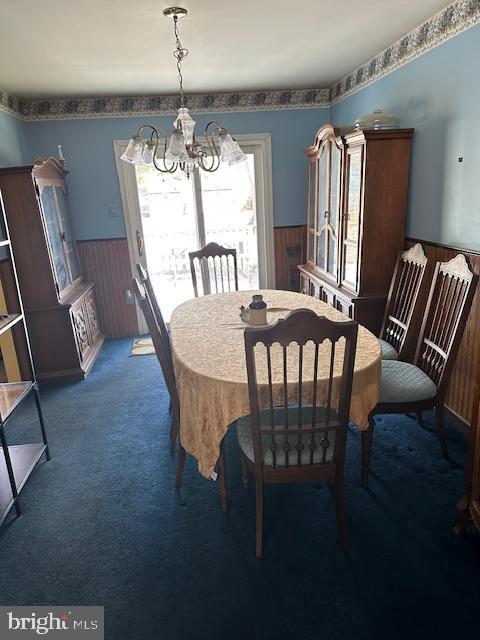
215	164
212	147
155	135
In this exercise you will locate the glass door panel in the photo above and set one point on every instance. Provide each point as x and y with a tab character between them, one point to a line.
321	248
311	190
229	213
54	238
354	187
177	218
334	209
69	237
169	228
352	219
322	205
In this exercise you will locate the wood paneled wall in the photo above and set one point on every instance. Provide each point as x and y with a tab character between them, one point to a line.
460	396
107	264
289	252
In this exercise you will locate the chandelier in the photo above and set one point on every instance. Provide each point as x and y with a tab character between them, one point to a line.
181	150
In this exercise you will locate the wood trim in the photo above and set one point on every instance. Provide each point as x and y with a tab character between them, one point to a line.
438	245
106	263
461	390
289	253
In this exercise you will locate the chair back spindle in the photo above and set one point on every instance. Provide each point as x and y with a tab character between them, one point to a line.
404	299
215	267
449	301
292	423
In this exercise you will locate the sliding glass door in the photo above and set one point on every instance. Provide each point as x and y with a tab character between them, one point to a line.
169	215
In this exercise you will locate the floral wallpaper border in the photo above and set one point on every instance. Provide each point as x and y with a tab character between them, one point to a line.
445	24
153	105
448	22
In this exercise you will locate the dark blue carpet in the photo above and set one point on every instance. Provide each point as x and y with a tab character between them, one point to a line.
102	524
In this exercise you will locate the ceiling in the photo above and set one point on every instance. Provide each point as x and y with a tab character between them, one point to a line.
59	48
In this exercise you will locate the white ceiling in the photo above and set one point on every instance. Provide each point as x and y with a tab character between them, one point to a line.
124	47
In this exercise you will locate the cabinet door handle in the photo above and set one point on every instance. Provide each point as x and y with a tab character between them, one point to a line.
139	243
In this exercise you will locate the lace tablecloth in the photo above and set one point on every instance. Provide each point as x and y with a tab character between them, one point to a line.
209	359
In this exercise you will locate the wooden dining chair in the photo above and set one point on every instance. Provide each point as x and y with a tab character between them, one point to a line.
300	442
150	293
217	269
404	304
166	364
413	388
170	381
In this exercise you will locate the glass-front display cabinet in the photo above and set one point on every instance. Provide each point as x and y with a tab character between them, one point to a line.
357	191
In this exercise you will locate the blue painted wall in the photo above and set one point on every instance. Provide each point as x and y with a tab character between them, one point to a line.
439	95
93	181
12	140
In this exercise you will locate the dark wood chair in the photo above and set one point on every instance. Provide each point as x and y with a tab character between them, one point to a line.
150	293
169	376
163	353
413	388
217	269
301	442
404	303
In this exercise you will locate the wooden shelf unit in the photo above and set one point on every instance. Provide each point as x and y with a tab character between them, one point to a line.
17	461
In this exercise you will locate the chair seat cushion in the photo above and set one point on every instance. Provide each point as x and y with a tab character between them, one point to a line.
403	382
388	352
323	441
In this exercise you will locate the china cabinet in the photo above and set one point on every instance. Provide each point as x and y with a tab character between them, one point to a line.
357	190
60	308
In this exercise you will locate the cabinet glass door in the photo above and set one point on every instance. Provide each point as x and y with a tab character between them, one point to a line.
54	238
311	191
67	234
322	207
333	210
352	219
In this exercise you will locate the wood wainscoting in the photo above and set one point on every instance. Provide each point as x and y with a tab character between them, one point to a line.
460	397
106	263
289	252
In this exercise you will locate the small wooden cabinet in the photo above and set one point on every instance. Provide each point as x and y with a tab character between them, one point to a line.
60	308
357	190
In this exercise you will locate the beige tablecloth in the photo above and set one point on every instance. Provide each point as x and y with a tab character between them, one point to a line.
209	358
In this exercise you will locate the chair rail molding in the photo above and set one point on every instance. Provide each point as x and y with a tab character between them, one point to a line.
447	23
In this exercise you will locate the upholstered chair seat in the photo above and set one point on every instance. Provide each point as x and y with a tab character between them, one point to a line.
404	382
327	442
388	352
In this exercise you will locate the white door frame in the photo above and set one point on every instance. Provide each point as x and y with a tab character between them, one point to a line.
260	144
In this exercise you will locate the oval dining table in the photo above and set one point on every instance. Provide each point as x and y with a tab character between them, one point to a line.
209	360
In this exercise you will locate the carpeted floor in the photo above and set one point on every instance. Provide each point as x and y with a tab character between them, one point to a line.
102	524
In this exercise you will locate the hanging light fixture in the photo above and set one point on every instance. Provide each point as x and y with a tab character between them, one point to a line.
181	150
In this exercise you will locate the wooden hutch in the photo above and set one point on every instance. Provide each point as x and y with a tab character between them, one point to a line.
60	308
357	190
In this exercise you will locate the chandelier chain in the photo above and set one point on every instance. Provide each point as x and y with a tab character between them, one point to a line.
179	54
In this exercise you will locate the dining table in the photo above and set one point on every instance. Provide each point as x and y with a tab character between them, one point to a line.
209	361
